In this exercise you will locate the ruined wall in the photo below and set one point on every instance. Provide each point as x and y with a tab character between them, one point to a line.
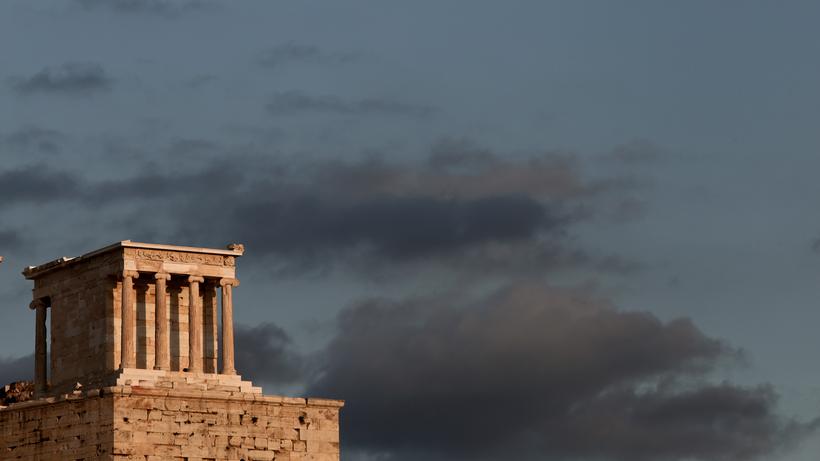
77	429
153	424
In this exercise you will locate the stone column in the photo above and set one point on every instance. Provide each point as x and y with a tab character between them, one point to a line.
40	347
162	336
210	334
228	367
128	358
194	325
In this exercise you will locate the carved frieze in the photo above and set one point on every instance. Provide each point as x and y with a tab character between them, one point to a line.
181	257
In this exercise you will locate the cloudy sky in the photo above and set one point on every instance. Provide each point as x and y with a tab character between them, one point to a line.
561	229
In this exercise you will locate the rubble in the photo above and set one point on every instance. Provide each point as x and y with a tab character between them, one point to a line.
18	391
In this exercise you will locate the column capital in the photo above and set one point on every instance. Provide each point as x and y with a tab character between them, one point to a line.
195	278
231	282
36	304
132	274
162	276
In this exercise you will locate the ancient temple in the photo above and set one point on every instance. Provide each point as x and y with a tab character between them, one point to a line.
134	359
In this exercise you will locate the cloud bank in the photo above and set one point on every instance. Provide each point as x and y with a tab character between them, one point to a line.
461	207
166	8
71	78
547	373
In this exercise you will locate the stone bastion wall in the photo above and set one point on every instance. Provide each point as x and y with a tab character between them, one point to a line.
171	420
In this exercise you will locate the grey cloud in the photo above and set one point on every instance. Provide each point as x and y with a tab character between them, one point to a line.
296	102
311	224
74	78
167	8
16	369
478	212
32	138
264	353
194	148
513	216
548	177
412	227
37	184
556	374
9	239
152	181
292	52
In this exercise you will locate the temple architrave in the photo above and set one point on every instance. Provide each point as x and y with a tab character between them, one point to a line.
134	360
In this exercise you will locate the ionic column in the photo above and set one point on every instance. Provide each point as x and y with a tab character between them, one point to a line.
40	346
194	325
228	367
128	351
162	336
210	347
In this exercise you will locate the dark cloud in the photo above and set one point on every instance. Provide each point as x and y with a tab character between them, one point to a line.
33	139
506	215
153	181
542	372
296	103
40	183
167	8
298	53
9	239
463	207
74	78
16	369
264	353
393	227
37	184
548	177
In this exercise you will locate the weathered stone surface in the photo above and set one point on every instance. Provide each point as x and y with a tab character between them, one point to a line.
137	423
94	408
85	297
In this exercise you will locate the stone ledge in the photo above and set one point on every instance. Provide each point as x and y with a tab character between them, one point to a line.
138	391
320	402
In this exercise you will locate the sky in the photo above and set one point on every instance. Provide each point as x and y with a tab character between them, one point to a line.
569	230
